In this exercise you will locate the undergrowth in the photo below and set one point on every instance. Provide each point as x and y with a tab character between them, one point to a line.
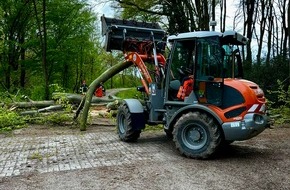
280	108
129	93
51	119
10	120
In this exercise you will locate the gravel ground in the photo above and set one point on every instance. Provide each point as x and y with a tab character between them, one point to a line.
259	163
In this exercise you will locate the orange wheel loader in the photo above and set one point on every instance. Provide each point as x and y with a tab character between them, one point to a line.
219	108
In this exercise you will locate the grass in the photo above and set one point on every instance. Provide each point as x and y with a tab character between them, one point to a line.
153	128
36	156
130	93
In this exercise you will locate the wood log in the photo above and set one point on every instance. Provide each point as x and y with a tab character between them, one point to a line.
51	108
114	97
36	104
77	98
113	105
86	101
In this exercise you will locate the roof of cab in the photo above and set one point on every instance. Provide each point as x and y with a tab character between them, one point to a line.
197	34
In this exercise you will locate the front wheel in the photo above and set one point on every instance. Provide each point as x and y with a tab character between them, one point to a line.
125	125
196	135
168	133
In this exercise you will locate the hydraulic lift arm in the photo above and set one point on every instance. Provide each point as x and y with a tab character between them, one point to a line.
141	42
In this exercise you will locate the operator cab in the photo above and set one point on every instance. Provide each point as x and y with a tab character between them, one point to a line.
198	64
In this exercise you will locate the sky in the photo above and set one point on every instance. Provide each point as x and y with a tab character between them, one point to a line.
102	7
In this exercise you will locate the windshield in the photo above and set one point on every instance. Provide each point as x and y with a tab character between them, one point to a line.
232	61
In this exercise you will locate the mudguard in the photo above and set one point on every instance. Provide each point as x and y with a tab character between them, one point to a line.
137	113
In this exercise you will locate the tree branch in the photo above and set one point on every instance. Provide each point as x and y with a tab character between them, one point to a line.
128	3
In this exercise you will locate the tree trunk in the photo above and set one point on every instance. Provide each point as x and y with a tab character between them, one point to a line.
86	101
77	98
223	15
46	109
37	104
289	36
43	41
44	47
249	23
264	15
22	65
270	36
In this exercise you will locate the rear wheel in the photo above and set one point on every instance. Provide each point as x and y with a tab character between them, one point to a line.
196	135
124	124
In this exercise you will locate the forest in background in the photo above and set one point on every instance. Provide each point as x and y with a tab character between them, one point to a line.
48	46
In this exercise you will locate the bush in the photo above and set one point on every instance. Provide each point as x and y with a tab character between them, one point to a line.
281	107
10	120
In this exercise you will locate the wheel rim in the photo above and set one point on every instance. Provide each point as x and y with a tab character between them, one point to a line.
194	136
122	124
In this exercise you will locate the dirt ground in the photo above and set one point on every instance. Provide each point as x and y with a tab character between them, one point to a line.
259	163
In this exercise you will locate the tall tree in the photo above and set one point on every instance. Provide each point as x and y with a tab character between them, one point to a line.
223	15
44	38
249	7
42	31
14	14
288	18
182	16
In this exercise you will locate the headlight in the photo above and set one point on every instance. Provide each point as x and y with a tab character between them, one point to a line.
259	92
258	119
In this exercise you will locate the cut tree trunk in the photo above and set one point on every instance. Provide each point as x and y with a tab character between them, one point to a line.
36	104
77	98
113	105
46	109
86	101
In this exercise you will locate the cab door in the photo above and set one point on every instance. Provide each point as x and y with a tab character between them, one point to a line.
209	71
180	67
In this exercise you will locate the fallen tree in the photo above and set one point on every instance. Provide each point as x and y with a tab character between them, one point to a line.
86	100
36	104
77	98
59	99
51	108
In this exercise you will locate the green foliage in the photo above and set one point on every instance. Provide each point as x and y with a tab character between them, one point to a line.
51	119
37	92
58	119
131	12
5	97
10	120
129	93
280	108
63	100
56	88
267	75
73	45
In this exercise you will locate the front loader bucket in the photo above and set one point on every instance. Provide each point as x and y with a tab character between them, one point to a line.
117	31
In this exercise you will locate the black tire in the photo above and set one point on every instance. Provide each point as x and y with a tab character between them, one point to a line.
168	133
124	125
196	135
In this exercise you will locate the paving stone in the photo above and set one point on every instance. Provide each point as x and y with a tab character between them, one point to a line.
20	155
